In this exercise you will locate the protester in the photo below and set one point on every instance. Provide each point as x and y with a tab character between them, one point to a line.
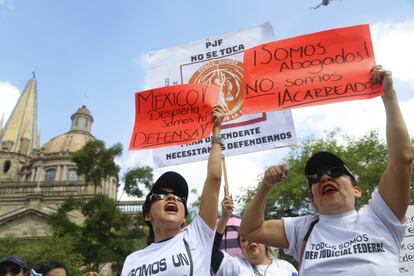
171	250
49	269
257	260
13	265
341	240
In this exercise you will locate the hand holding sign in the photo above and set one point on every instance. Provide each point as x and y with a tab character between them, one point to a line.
219	112
319	68
173	115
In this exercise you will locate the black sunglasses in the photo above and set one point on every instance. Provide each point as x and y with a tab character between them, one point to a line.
14	269
333	172
164	195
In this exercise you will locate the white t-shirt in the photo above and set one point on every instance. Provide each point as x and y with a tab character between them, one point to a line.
173	257
240	266
366	242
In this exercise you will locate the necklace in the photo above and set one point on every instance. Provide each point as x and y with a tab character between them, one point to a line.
256	271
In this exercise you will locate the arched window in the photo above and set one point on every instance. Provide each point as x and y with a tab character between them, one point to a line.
50	174
72	175
6	166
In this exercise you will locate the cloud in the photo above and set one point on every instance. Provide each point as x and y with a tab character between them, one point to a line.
354	117
393	43
9	95
7	3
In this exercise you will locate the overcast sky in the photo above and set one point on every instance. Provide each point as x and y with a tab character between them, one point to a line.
93	52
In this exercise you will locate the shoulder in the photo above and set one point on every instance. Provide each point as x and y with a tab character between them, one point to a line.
296	228
285	264
300	222
198	225
137	253
131	258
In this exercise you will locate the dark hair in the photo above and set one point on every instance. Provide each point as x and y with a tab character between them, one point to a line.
151	235
45	267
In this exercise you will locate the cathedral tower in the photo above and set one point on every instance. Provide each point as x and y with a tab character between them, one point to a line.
19	137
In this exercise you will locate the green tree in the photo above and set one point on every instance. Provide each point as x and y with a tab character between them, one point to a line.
365	156
134	177
38	249
105	236
96	162
194	207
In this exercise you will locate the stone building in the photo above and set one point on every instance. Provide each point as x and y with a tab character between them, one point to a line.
35	179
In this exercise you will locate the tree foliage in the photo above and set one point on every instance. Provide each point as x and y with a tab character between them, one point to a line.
366	157
105	236
194	207
134	177
38	249
96	162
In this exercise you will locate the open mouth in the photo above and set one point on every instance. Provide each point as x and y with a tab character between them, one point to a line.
328	188
171	207
252	246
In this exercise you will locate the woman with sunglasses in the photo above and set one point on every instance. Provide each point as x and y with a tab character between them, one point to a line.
13	265
341	240
171	249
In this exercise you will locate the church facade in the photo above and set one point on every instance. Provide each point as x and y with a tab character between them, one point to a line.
34	178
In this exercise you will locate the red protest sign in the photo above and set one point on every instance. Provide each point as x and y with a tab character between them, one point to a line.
314	69
173	115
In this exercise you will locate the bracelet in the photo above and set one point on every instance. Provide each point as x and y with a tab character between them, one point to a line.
216	139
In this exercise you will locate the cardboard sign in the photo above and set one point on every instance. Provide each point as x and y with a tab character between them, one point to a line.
314	69
173	115
219	60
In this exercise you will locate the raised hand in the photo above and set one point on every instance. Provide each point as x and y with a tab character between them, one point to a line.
275	174
227	206
382	76
218	115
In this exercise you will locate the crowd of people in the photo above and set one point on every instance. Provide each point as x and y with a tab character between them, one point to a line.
14	265
338	240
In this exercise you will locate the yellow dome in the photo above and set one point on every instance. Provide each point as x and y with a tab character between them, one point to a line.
71	141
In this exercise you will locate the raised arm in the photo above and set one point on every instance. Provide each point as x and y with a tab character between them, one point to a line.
253	227
211	189
227	207
394	186
226	211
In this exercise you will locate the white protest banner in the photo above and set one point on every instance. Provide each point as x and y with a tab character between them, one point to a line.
219	60
407	245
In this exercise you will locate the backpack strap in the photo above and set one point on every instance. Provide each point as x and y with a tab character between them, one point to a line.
187	248
305	240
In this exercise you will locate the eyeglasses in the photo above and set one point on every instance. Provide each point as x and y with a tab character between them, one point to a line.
333	172
13	269
164	195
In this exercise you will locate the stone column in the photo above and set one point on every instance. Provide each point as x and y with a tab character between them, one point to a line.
39	173
58	176
65	173
32	177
